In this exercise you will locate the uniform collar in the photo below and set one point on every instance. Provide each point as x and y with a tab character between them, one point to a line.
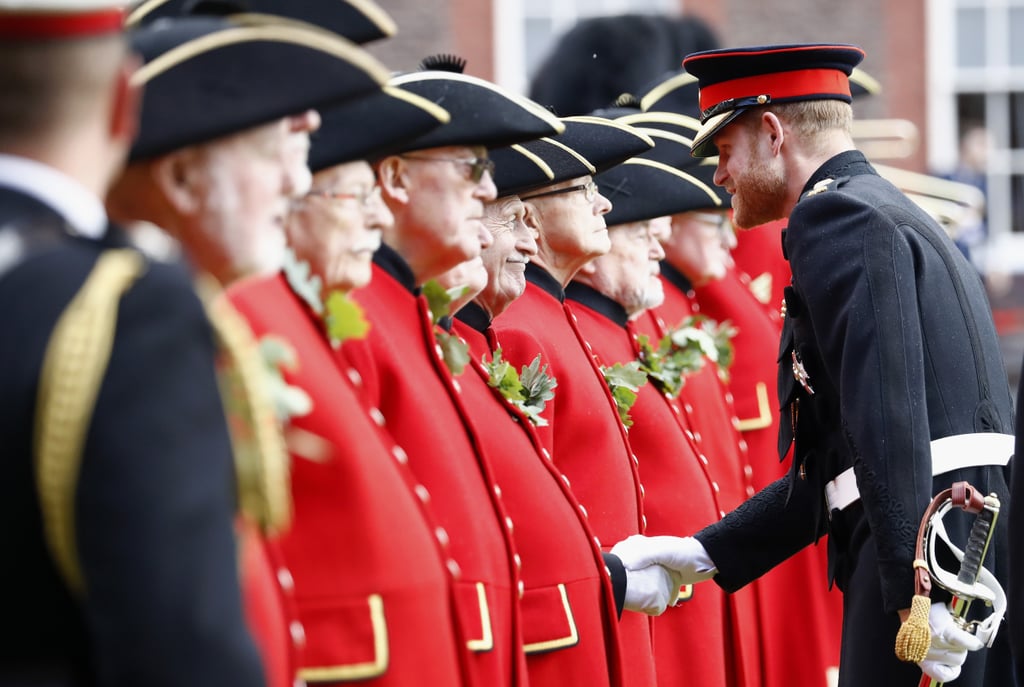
597	301
79	206
675	277
474	316
540	277
388	259
844	164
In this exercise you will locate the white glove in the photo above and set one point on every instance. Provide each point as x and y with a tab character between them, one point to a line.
650	590
684	556
949	646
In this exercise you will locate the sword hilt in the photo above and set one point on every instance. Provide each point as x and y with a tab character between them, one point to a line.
977	544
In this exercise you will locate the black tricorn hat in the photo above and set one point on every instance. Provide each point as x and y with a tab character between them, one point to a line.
372	127
360	21
482	113
641	189
207	77
589	145
733	80
676	92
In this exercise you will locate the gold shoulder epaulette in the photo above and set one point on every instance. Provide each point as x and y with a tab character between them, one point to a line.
261	457
74	365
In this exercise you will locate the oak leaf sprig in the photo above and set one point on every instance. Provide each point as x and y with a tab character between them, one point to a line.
624	381
528	390
454	350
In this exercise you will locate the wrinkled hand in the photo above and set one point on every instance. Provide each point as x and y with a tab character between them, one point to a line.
650	590
949	646
685	556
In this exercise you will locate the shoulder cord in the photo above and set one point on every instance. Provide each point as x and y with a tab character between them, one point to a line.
73	368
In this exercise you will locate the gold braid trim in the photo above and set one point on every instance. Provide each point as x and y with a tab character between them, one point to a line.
73	368
261	457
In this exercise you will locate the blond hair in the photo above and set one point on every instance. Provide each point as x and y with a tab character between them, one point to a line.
810	120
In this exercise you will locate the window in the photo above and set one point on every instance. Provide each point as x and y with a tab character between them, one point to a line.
976	66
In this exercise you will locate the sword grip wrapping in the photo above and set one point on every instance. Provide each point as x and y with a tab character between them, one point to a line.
974	552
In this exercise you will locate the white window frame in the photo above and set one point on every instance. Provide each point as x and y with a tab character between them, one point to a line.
1005	250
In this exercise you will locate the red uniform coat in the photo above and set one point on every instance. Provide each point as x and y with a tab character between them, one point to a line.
584	436
752	380
692	642
370	583
404	376
570	627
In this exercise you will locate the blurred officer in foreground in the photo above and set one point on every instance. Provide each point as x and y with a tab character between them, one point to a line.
888	345
117	499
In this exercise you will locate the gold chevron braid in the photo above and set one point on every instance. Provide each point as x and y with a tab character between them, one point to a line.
261	458
75	362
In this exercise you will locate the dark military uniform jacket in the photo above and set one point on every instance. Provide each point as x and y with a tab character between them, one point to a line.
152	510
888	344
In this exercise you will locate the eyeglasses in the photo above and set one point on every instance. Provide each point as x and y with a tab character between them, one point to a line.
589	192
365	198
476	165
717	221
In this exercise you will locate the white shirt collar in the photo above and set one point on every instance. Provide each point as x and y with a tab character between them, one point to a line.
77	204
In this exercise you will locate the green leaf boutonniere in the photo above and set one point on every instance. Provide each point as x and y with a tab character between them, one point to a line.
529	390
454	350
668	364
342	316
713	339
344	319
624	381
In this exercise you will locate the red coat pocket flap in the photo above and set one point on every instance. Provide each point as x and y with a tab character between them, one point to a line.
351	641
548	622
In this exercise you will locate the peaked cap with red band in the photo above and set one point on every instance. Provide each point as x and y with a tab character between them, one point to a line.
733	80
24	20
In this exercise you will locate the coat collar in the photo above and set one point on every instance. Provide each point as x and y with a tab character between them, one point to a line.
845	164
675	277
598	302
391	262
540	277
474	316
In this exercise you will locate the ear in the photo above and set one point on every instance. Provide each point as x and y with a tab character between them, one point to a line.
177	177
127	100
532	218
772	126
393	179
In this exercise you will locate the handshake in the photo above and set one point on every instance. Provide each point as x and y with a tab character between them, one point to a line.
657	566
